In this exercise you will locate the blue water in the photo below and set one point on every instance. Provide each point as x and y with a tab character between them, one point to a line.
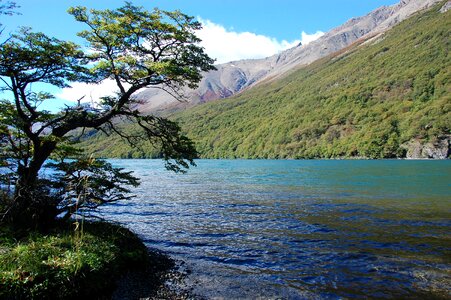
299	229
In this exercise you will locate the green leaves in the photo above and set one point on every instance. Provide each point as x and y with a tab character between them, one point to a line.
144	48
85	183
175	148
30	57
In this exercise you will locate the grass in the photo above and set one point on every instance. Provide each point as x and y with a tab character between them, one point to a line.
68	264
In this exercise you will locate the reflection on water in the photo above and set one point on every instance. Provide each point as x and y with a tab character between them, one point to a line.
299	229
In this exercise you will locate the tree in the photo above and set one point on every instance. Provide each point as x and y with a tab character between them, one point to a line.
133	47
8	7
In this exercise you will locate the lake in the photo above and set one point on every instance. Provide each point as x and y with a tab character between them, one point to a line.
299	229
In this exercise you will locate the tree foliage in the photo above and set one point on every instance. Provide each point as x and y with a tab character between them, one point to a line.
86	183
7	8
130	46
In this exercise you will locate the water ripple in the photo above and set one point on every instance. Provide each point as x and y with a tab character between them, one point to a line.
300	229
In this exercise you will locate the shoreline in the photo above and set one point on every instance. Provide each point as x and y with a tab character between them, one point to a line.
163	280
103	260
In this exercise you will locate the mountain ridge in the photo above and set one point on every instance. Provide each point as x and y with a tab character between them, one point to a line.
234	77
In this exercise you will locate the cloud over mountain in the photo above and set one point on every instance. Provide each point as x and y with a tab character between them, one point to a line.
227	45
219	43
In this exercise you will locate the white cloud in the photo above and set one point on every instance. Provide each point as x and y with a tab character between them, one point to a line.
89	92
219	43
226	45
308	38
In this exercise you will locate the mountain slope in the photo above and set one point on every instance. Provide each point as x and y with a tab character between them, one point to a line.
383	97
234	77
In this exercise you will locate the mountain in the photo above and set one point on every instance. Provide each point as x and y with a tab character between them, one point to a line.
384	96
234	77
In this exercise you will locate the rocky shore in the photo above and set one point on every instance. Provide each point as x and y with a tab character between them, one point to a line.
162	278
438	149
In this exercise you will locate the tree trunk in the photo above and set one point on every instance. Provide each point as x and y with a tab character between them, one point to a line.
33	206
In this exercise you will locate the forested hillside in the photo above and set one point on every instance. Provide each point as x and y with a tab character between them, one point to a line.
379	98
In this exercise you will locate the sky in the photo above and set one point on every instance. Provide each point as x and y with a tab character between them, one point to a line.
232	29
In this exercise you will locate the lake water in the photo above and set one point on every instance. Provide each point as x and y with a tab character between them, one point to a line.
299	229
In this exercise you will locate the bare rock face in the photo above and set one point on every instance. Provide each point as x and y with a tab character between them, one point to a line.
234	77
445	7
439	149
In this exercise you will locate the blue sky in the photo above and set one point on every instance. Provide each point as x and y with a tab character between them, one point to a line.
280	19
274	25
233	29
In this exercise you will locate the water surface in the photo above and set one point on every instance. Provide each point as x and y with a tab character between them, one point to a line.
299	229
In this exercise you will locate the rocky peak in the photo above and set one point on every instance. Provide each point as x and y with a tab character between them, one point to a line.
234	77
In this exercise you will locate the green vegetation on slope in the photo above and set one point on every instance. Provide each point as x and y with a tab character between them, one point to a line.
113	146
366	101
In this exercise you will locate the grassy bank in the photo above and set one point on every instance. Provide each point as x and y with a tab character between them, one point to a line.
69	263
